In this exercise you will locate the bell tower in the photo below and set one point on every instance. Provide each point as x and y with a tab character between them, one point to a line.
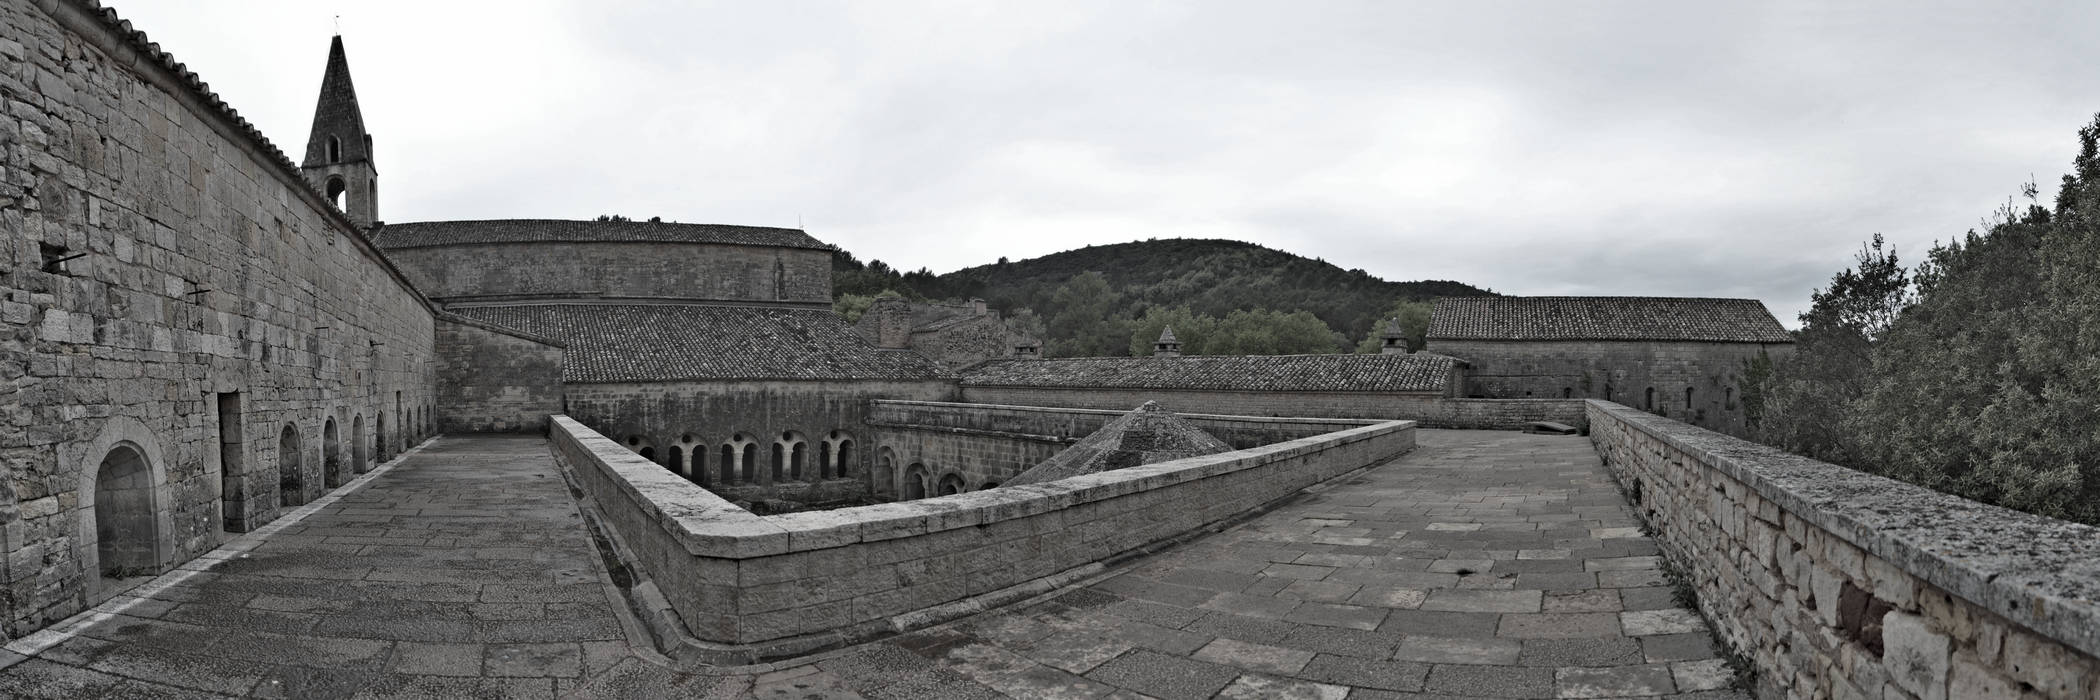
339	153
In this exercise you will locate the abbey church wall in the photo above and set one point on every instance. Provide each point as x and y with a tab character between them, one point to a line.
1695	382
648	270
194	341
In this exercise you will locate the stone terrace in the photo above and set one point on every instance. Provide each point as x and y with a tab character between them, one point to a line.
1483	564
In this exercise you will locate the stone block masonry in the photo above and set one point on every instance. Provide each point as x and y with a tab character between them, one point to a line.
194	341
1694	382
1841	584
747	588
636	270
495	380
687	425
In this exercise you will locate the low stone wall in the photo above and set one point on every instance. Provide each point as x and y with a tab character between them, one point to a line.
1070	424
1425	410
1837	583
748	588
493	379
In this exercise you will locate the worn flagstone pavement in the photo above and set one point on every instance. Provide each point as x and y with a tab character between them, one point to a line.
1483	564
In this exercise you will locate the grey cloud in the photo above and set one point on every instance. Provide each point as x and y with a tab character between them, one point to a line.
1599	148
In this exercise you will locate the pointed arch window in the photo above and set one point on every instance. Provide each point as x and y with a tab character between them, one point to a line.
335	149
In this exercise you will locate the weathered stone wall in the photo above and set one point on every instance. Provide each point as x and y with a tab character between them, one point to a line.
693	271
205	267
966	342
1428	411
983	445
495	380
1622	371
698	419
1841	584
749	587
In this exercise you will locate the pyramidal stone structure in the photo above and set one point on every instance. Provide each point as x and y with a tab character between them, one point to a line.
1147	435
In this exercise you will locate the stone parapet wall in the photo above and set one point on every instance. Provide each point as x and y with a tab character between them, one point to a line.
1836	583
1429	411
495	380
749	587
983	445
1069	424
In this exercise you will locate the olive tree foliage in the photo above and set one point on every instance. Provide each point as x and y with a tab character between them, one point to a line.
1990	387
1798	404
1983	382
1414	325
1266	332
1240	332
853	306
1194	330
1025	323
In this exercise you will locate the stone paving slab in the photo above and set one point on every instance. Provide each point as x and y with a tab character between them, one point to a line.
1484	564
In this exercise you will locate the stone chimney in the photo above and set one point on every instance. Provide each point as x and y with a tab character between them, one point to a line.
977	307
892	323
1028	349
1395	341
1167	345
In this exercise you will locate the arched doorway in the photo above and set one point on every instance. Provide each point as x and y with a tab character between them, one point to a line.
357	445
884	480
915	481
291	482
951	484
332	472
126	530
796	451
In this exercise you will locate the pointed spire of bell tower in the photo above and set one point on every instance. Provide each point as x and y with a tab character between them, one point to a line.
339	152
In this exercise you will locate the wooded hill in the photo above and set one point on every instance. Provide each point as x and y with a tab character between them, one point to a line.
1209	277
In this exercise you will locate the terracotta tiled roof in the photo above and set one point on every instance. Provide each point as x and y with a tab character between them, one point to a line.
420	234
1605	318
652	343
1419	372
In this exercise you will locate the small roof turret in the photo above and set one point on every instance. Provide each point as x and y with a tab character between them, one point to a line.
1167	345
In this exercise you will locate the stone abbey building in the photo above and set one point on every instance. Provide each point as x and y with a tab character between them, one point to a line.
201	334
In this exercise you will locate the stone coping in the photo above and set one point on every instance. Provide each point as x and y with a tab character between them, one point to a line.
450	317
1339	423
709	526
2040	572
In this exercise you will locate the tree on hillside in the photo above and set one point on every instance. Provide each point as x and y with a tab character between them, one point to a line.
1265	332
1192	329
1027	323
1086	323
1414	324
852	306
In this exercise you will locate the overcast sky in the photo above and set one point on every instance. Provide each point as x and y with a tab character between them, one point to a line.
1531	148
